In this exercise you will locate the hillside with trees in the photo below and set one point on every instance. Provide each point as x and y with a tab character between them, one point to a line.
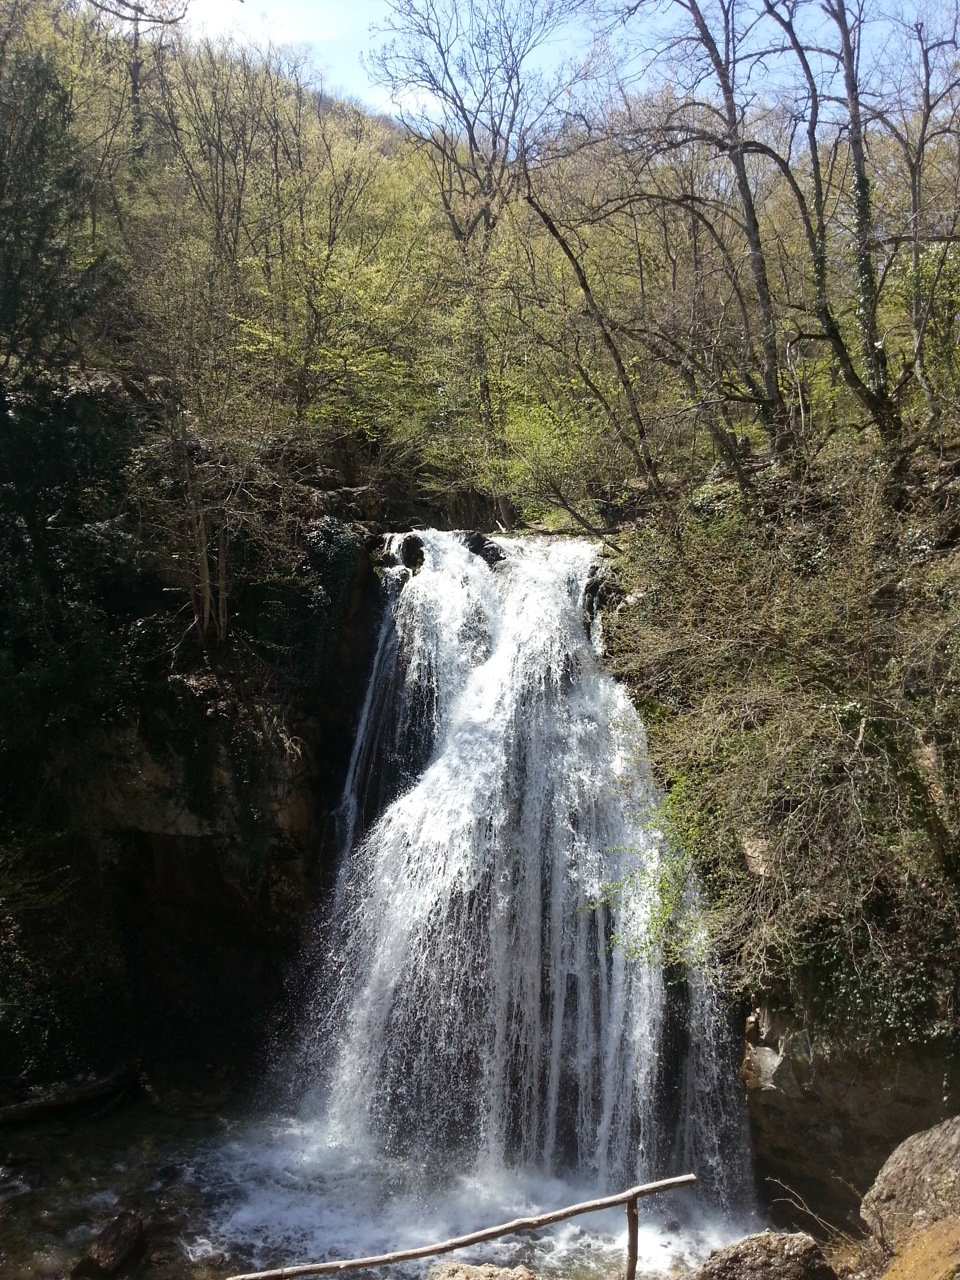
700	300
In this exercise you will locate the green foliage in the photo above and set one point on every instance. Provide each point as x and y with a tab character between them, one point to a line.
673	935
805	741
272	277
63	547
43	192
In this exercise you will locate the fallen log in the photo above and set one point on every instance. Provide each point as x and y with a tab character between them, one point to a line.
70	1095
476	1237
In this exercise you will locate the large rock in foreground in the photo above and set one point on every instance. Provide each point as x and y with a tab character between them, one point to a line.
488	1271
768	1256
931	1254
918	1185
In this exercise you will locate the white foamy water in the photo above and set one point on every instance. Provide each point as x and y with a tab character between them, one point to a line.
280	1194
475	1048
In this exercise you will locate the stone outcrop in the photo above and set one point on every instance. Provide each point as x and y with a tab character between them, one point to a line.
825	1118
912	1211
601	591
918	1186
484	547
488	1271
768	1256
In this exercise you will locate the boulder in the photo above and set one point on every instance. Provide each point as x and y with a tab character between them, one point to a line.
824	1116
116	1250
768	1256
462	1271
919	1185
410	551
481	546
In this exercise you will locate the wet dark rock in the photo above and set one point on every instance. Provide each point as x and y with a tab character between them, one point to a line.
768	1256
70	1095
483	547
168	1174
222	816
592	589
410	551
162	1258
600	591
217	1260
116	1250
14	1184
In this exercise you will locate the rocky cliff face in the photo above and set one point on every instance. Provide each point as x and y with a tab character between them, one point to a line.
824	1118
221	824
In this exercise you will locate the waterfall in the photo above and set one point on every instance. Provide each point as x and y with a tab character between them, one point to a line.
479	1010
472	1023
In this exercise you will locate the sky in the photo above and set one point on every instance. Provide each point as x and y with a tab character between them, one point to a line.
336	31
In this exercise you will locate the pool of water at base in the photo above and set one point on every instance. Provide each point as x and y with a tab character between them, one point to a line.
220	1191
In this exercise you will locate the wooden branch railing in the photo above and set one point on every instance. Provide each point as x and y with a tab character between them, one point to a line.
628	1198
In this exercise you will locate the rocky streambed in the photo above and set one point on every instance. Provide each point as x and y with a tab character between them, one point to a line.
126	1194
65	1179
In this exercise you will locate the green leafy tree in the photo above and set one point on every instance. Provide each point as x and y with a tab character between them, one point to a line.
43	198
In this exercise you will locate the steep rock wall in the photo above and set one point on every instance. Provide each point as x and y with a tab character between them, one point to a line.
824	1118
223	829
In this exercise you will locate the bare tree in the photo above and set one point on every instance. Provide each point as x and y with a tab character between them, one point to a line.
919	113
799	102
472	88
469	85
142	19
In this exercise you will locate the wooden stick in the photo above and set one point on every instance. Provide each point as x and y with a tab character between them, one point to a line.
476	1237
633	1240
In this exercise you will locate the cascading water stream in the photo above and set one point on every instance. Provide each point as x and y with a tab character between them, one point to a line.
472	1025
480	1010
